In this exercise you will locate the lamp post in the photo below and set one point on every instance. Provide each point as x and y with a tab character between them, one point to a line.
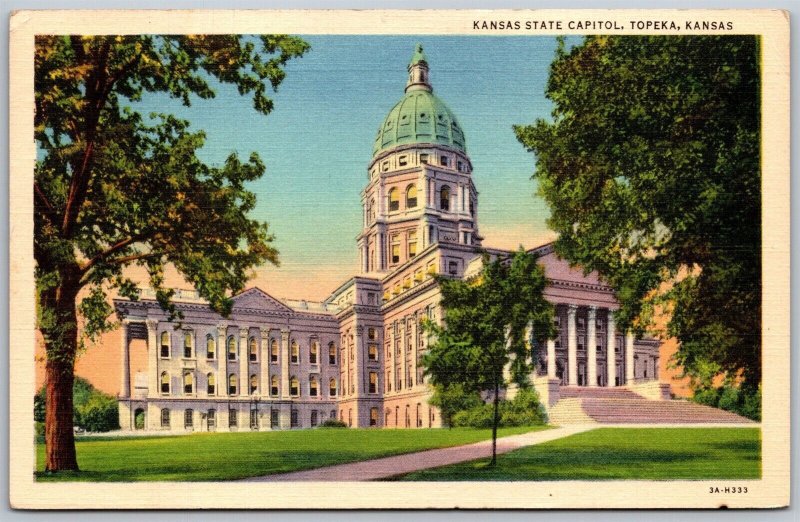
254	402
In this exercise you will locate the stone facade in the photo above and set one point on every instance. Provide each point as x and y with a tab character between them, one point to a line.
356	356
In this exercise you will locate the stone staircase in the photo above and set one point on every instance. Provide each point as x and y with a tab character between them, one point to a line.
622	406
568	411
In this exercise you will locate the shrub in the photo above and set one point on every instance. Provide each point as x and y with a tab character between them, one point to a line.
38	427
742	401
100	413
524	410
83	393
333	423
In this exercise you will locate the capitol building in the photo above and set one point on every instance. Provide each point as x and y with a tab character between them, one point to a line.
356	356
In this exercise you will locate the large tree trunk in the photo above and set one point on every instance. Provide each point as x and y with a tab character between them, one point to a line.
59	437
495	422
61	343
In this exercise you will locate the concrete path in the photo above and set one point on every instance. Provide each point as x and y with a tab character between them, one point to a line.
401	464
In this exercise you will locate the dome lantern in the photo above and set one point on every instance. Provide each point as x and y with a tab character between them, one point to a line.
418	76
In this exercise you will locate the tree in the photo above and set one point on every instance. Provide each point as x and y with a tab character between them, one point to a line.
486	324
113	188
651	169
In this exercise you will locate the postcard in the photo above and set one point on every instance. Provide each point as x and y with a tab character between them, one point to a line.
399	259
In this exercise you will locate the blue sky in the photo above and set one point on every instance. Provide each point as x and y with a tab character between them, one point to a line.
317	142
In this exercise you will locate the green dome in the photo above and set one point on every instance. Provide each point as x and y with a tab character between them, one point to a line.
419	117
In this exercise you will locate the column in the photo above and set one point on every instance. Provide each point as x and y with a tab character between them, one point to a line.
629	358
244	362
264	363
611	355
591	350
285	364
551	359
125	388
222	364
152	354
572	345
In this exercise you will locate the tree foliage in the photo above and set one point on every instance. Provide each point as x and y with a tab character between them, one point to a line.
487	322
651	168
114	188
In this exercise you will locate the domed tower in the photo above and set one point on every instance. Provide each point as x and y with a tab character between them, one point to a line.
420	191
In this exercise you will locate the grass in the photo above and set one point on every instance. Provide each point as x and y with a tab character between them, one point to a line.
227	456
622	454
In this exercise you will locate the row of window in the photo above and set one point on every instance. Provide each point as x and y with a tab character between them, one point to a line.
581	323
232	349
582	344
411	200
233	418
233	385
424	158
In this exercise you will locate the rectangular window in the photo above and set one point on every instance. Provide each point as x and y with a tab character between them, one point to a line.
165	418
423	158
412	243
444	161
402	161
211	420
460	166
581	343
233	419
254	419
373	382
452	267
372	352
273	419
385	166
395	252
314	418
294	419
188	419
373	416
581	322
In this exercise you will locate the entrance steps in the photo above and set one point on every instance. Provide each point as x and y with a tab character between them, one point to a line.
568	411
584	405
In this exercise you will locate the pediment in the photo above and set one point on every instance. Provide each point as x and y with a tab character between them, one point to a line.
255	298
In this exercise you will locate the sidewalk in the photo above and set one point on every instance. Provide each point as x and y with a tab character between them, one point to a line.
401	464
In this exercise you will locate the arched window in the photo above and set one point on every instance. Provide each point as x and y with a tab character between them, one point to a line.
273	388
253	349
211	347
188	383
331	353
373	382
394	199
444	198
164	417
187	345
233	383
295	353
211	384
273	351
332	387
411	196
313	352
164	382
253	384
231	348
164	344
294	386
188	418
312	386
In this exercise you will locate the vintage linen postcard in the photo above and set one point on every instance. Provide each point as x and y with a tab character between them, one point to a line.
399	259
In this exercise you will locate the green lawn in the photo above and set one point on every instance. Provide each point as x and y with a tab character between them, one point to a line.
226	456
622	453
